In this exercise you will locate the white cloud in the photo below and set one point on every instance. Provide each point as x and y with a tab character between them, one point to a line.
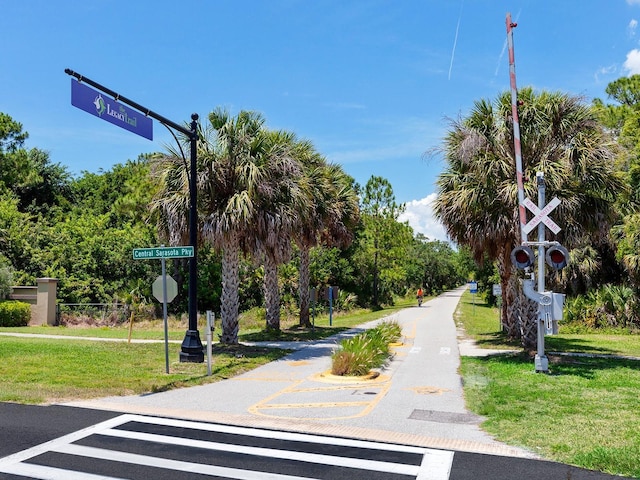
633	25
633	2
632	63
605	72
419	214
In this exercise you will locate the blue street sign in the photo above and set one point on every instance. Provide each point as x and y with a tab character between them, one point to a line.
93	102
473	287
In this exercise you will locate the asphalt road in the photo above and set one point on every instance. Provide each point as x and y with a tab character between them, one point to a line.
69	443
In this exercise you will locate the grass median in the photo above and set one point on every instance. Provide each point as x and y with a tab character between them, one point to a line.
585	412
37	369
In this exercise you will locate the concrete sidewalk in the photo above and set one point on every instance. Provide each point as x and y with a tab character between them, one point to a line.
416	400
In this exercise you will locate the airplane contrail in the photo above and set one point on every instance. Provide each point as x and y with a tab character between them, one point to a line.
455	40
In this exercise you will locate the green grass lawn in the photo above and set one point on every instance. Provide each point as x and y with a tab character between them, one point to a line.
42	370
585	412
45	370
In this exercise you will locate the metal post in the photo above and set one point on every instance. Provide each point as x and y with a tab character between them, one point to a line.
209	335
192	349
330	292
516	128
541	361
164	314
474	304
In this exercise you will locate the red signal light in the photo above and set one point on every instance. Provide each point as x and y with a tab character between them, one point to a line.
557	257
522	257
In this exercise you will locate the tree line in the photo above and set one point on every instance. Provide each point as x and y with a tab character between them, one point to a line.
275	219
589	154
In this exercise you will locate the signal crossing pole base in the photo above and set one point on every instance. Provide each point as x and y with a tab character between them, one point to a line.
542	364
541	361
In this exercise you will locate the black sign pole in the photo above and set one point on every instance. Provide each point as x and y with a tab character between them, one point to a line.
192	348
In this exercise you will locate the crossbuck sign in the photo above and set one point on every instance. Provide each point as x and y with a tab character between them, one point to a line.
541	215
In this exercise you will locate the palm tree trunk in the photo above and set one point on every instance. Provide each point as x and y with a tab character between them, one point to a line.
271	293
529	325
230	283
304	286
510	288
511	310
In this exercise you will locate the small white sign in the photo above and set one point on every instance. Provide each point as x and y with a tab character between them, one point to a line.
497	290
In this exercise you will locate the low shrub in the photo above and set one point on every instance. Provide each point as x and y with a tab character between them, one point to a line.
611	306
14	314
370	349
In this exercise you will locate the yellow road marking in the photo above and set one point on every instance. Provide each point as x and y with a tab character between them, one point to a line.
335	388
275	406
328	377
428	390
412	333
265	405
298	363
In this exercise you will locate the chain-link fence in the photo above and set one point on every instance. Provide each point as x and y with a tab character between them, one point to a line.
93	314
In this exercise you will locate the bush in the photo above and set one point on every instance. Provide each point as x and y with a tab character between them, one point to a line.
6	279
611	306
359	354
14	314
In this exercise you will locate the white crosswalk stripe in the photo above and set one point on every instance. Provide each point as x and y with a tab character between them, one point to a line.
218	451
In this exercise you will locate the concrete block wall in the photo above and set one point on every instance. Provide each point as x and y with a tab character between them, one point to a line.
42	299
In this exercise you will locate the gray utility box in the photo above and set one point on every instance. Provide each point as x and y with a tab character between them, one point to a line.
557	307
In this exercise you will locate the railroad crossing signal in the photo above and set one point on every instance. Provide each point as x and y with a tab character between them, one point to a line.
541	215
557	257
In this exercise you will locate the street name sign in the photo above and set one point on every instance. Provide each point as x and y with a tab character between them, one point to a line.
91	101
162	252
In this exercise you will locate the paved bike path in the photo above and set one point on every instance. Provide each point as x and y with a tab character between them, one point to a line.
417	399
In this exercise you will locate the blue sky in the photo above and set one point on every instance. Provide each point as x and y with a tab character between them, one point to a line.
371	83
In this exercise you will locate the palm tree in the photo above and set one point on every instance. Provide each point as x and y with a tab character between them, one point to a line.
229	173
311	220
330	217
232	174
477	192
278	200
